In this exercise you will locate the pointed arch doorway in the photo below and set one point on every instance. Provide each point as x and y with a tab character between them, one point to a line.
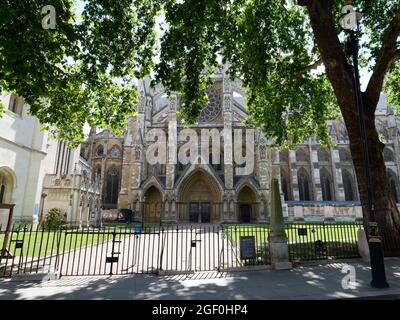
200	195
152	205
246	205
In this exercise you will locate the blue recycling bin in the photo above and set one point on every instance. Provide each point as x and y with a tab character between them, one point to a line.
137	229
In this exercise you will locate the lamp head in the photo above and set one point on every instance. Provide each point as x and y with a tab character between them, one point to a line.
350	18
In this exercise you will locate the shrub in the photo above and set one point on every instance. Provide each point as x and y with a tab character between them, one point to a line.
55	218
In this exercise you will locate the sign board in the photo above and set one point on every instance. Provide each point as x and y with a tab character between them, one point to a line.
19	244
111	259
302	231
247	247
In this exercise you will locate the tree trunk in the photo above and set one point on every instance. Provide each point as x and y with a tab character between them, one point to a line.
339	73
386	212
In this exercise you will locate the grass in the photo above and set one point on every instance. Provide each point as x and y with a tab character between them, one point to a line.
314	232
340	239
46	243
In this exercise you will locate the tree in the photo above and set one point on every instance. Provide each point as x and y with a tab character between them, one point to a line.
274	47
80	71
83	71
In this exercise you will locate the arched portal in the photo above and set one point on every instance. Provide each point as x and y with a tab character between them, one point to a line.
304	185
200	196
6	185
152	205
112	188
246	204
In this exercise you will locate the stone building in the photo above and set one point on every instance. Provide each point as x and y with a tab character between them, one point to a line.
38	173
68	185
320	182
316	182
196	192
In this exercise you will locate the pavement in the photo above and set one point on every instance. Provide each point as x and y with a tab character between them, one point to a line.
306	282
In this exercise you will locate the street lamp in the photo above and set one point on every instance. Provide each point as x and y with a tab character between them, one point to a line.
350	22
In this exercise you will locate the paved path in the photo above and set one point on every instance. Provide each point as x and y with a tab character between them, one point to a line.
305	282
170	250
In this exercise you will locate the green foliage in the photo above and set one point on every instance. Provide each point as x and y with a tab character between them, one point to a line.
55	218
392	86
80	71
85	71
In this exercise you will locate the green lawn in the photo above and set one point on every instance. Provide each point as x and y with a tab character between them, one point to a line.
340	240
45	243
314	232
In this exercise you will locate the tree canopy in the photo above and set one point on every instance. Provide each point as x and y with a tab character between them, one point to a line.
84	70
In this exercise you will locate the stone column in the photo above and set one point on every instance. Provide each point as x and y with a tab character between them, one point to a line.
172	142
316	179
228	144
337	175
278	239
293	174
74	217
124	194
265	159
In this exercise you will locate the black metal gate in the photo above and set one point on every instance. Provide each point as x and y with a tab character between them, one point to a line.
129	250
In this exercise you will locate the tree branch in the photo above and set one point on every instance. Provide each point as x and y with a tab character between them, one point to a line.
312	66
304	70
387	56
337	68
396	56
303	2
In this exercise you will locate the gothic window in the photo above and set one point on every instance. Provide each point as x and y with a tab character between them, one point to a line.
388	155
326	185
301	156
98	172
211	111
304	185
112	186
83	153
348	185
100	151
216	166
283	156
323	155
15	104
342	134
115	152
6	186
284	186
2	192
344	155
393	183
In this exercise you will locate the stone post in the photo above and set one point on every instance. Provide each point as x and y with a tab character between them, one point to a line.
278	239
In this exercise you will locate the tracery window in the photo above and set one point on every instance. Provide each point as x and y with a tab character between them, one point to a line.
115	152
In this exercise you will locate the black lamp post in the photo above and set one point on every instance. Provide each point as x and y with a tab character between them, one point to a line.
350	22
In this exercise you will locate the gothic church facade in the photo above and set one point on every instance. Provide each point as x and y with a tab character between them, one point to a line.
316	182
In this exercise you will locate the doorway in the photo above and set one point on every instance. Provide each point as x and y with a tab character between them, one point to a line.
244	213
199	212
